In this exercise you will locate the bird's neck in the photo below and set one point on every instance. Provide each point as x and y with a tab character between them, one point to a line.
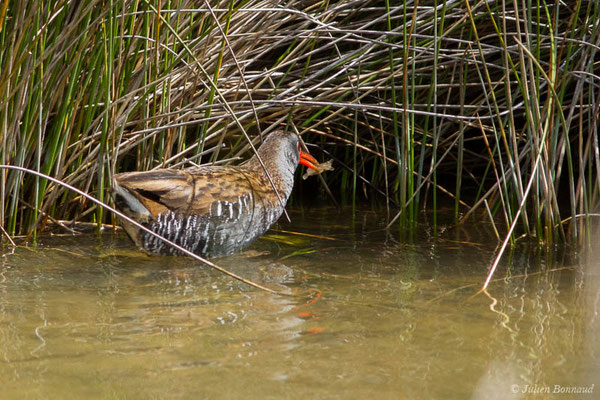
279	172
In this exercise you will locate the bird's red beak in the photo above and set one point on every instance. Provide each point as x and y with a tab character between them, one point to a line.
308	160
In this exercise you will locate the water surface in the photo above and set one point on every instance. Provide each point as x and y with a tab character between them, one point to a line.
374	313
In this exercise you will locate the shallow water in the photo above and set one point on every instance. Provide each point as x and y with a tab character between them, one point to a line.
375	313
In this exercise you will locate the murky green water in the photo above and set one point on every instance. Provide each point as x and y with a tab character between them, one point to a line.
376	314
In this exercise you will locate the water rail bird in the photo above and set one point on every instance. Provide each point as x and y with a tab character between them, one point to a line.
211	210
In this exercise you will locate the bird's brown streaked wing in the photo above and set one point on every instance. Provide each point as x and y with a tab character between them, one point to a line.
216	189
194	191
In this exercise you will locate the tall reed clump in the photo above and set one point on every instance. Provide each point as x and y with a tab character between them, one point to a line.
491	105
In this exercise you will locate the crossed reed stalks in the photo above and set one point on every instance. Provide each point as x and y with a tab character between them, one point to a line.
490	105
